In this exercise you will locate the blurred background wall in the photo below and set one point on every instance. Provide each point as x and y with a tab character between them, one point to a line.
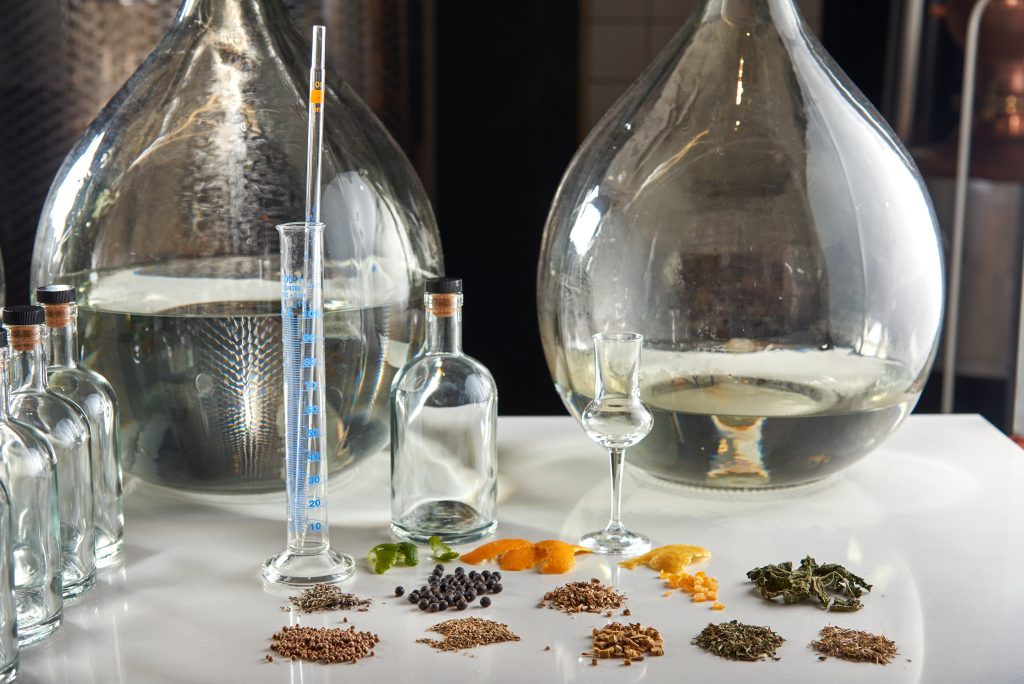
490	100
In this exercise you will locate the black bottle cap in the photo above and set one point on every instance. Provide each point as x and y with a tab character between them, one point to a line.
444	286
24	315
55	294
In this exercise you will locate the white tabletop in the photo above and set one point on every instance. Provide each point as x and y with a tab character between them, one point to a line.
934	519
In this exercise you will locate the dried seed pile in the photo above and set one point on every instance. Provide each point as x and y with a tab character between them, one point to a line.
737	641
324	644
629	642
851	644
578	597
327	597
468	633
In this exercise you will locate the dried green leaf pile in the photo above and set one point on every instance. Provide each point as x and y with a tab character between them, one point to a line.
834	587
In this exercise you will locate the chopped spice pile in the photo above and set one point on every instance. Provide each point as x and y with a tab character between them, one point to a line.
811	580
327	597
701	586
553	556
579	597
851	644
629	642
672	558
324	644
468	633
737	641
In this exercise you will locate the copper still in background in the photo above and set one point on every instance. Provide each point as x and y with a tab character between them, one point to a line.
994	224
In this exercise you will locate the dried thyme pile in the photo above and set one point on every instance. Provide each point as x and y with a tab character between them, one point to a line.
851	644
811	580
577	597
737	641
327	597
468	633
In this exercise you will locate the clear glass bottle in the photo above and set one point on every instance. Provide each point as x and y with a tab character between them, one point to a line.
91	393
745	209
28	468
444	412
8	609
176	261
66	428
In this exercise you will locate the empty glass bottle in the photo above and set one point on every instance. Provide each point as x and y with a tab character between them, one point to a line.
444	411
66	428
8	611
28	469
90	392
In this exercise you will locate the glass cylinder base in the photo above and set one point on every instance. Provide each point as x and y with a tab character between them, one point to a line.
300	570
617	542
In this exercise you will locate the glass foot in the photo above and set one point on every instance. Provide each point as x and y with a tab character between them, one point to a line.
300	570
619	542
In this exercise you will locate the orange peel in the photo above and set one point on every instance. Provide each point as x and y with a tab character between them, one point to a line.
559	556
522	558
493	549
672	558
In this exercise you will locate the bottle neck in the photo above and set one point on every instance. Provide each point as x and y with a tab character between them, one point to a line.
215	13
444	323
751	12
62	335
28	365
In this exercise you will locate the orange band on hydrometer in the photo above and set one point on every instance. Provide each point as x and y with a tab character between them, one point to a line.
316	96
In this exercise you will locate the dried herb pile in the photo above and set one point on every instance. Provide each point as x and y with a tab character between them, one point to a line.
578	597
834	587
327	597
468	633
737	641
628	642
851	644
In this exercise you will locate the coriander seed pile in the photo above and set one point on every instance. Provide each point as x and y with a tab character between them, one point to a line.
468	633
578	597
327	597
629	642
324	644
851	644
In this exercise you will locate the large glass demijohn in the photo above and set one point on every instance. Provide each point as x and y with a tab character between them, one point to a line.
163	217
745	209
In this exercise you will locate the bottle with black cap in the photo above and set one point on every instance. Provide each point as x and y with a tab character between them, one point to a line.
28	468
444	415
90	392
66	428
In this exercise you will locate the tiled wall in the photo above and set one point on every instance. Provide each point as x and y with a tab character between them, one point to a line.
621	37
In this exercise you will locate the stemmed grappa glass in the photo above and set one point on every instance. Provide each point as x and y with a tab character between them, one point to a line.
616	419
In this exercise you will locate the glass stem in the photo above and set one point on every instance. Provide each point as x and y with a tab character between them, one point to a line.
615	522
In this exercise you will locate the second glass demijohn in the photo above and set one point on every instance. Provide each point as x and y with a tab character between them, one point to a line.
162	217
745	208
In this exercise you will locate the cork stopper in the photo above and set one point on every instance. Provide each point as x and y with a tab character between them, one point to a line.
444	296
59	315
24	337
24	326
444	305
